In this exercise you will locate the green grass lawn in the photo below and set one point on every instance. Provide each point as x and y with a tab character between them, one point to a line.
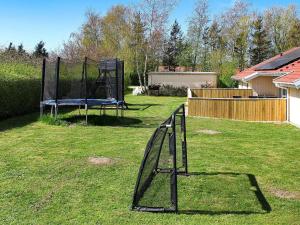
46	178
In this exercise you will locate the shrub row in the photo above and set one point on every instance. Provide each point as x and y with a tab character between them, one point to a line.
168	90
19	85
18	96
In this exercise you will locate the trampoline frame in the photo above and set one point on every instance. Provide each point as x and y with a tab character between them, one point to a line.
118	103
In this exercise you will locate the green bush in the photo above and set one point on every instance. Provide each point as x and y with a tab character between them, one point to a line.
18	97
19	86
168	90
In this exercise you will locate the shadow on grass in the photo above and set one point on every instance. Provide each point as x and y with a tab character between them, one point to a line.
18	121
215	192
104	120
140	107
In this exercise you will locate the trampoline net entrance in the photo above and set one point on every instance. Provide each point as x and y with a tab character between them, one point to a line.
165	157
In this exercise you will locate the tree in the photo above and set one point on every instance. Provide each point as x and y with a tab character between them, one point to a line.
155	14
278	22
174	47
91	35
235	23
73	48
260	44
87	41
214	36
115	27
205	50
186	56
40	50
21	50
240	50
197	24
138	43
294	34
11	49
217	45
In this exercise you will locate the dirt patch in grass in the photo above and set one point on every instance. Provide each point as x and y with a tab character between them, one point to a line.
285	194
210	132
100	161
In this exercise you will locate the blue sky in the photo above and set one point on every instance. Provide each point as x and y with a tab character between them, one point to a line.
29	21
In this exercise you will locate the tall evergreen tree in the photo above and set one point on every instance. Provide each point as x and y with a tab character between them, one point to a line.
21	50
260	44
11	48
40	50
174	47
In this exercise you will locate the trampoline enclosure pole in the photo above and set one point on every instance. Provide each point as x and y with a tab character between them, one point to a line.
85	77
57	78
123	82
117	80
86	113
57	85
43	87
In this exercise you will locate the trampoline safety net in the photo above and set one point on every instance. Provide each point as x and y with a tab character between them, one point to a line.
49	71
88	79
165	157
71	80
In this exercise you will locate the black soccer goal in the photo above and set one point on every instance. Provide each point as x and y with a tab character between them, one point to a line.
165	157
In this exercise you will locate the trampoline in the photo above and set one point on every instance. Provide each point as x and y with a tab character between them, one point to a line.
83	84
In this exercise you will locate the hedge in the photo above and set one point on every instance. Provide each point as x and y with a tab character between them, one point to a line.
18	96
19	84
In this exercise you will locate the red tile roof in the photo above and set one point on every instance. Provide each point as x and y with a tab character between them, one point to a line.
292	68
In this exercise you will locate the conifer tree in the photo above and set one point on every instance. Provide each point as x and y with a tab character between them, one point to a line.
40	50
174	47
260	45
21	50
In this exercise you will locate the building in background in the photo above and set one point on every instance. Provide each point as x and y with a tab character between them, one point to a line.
276	77
183	79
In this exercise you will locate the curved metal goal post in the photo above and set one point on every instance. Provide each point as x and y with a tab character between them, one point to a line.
165	157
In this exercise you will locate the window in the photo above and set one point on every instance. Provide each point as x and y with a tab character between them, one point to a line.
283	93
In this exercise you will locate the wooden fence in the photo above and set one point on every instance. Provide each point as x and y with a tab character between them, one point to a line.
248	109
220	92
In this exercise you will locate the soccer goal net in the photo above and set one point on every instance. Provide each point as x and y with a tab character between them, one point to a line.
165	157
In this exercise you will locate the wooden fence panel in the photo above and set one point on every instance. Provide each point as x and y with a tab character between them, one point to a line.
221	92
239	109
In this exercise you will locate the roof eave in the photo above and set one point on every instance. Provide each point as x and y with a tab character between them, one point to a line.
258	74
295	84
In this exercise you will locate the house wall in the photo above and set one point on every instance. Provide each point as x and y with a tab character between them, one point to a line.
294	106
264	86
183	79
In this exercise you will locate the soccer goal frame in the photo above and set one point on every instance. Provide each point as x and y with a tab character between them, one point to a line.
164	159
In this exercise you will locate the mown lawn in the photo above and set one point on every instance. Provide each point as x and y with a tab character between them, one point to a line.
46	178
